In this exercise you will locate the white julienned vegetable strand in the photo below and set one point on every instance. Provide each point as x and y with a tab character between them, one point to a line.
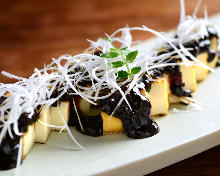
19	159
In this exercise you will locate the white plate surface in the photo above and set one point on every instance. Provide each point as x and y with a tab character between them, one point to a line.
182	135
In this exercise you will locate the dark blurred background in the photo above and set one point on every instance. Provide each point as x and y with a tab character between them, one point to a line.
33	31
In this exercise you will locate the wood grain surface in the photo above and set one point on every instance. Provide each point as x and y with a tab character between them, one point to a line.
34	31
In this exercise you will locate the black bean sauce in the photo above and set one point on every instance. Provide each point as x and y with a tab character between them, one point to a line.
211	55
67	96
92	125
9	152
98	53
9	146
147	80
137	121
212	32
2	99
205	43
218	62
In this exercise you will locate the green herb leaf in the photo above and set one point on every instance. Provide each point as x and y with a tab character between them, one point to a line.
114	49
135	70
110	55
124	51
122	74
130	57
125	48
117	64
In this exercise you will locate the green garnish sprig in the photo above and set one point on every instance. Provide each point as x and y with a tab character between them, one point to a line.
127	57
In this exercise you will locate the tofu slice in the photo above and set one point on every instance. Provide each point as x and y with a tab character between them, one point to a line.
28	141
111	125
159	97
56	118
201	73
189	77
42	131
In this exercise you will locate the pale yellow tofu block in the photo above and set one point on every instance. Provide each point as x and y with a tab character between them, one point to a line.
58	112
42	131
158	97
28	141
201	73
189	77
111	125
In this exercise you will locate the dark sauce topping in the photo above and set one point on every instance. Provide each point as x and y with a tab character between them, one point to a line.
24	121
147	81
84	82
137	121
218	62
194	47
9	152
9	146
177	86
98	53
205	43
73	117
212	32
67	96
2	99
211	55
92	125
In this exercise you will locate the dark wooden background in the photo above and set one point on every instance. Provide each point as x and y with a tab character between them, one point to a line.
33	31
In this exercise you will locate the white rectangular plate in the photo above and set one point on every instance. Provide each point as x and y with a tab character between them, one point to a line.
182	135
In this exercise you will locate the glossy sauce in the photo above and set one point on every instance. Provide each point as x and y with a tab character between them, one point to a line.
218	62
9	146
137	122
205	43
92	125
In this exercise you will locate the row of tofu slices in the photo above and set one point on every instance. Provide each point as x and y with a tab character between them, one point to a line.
160	97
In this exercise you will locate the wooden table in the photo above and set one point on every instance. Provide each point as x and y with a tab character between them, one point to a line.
31	32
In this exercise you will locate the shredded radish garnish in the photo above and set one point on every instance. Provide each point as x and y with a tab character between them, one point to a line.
19	160
68	129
